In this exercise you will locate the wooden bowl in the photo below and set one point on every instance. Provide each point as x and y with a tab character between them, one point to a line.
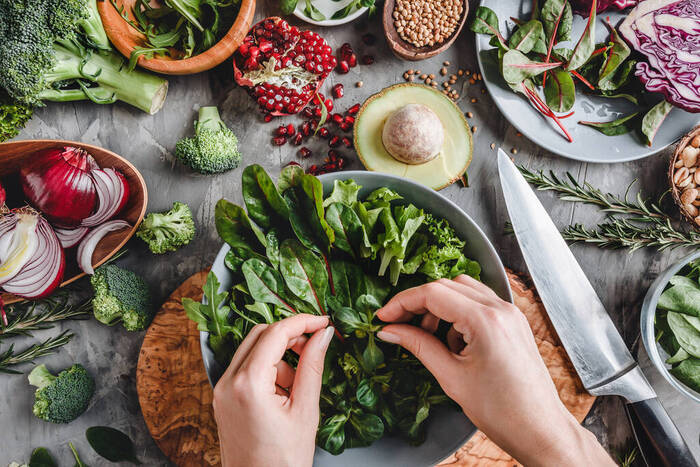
675	190
125	38
408	51
13	154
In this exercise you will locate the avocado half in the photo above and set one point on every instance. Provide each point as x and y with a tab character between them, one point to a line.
452	161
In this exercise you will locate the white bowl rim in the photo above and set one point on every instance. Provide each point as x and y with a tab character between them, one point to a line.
648	329
299	13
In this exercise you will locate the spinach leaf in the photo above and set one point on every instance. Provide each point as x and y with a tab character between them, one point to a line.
372	356
527	36
654	118
290	177
331	434
687	335
111	444
688	372
265	284
614	58
557	15
304	273
344	191
307	215
367	394
349	231
272	249
288	6
41	458
348	320
619	126
235	228
560	91
346	10
368	426
586	43
312	12
678	357
264	203
517	67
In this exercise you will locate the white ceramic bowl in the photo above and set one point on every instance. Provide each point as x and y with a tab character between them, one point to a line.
656	354
448	429
328	7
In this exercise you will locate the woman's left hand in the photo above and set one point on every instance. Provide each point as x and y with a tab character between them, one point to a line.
266	411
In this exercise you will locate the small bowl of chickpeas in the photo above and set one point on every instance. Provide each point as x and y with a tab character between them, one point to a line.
684	176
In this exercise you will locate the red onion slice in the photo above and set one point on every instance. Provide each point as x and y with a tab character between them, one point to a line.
89	243
67	237
44	270
22	244
112	194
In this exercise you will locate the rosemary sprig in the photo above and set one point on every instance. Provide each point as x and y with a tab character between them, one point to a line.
40	314
10	358
646	224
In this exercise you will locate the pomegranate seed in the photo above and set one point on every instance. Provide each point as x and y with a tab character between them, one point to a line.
290	129
304	152
349	120
306	128
369	39
279	140
343	67
352	60
317	112
265	46
318	98
354	109
307	112
367	59
267	118
296	140
338	91
329	104
333	155
250	63
244	49
334	142
323	132
337	119
347	142
345	126
313	124
281	130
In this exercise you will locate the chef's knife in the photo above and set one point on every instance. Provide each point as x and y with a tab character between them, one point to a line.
589	336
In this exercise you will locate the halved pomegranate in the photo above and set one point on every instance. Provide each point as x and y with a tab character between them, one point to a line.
281	66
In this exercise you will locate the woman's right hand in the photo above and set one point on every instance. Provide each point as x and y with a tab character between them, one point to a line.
491	367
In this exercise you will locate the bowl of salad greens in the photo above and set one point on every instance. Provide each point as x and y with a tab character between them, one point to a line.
342	244
670	324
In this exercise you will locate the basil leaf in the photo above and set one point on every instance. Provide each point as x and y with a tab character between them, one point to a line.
654	118
304	273
264	203
312	12
111	444
560	91
345	11
42	458
288	6
527	36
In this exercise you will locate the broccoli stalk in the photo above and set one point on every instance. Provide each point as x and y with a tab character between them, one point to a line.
167	231
108	71
61	398
213	149
57	50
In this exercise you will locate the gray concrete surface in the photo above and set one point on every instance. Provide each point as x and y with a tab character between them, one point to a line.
148	141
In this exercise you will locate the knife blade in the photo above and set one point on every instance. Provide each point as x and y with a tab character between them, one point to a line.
590	338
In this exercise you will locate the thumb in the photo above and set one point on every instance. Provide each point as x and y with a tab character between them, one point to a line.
424	346
306	389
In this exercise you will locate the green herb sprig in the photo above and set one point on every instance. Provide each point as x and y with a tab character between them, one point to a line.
9	358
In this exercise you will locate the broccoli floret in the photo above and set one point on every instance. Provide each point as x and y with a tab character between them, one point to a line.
13	116
167	231
61	398
121	295
57	50
214	147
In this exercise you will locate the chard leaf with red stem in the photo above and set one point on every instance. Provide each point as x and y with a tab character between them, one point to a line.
560	91
614	58
516	67
486	22
528	37
586	44
653	119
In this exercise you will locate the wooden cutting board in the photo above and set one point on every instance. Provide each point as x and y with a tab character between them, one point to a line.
175	395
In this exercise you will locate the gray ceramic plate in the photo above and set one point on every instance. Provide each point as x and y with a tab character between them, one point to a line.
447	429
656	353
589	145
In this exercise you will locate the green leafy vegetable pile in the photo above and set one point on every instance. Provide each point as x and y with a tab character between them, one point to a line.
678	325
295	252
311	12
528	60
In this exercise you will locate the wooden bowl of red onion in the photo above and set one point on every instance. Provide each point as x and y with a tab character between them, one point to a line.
65	208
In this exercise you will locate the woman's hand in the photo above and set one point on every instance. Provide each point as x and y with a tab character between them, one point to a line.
267	413
491	367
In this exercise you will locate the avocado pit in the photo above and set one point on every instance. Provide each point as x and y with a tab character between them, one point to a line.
413	134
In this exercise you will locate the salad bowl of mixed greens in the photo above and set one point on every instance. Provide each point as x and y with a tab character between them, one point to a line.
342	244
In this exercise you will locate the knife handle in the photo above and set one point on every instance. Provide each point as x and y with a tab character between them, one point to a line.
665	438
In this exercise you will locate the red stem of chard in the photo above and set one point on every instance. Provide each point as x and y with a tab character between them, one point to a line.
551	44
2	313
583	80
546	111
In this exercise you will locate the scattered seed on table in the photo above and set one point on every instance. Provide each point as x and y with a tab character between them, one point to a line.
410	72
433	84
455	96
405	76
431	76
359	84
453	76
443	71
518	134
452	81
446	63
460	72
474	100
483	91
445	85
410	77
474	129
467	72
470	115
478	77
514	150
423	76
493	145
416	72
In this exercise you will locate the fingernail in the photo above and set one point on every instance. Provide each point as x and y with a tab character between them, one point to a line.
327	336
388	337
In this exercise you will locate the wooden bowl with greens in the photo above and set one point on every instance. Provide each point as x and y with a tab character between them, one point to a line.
177	40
